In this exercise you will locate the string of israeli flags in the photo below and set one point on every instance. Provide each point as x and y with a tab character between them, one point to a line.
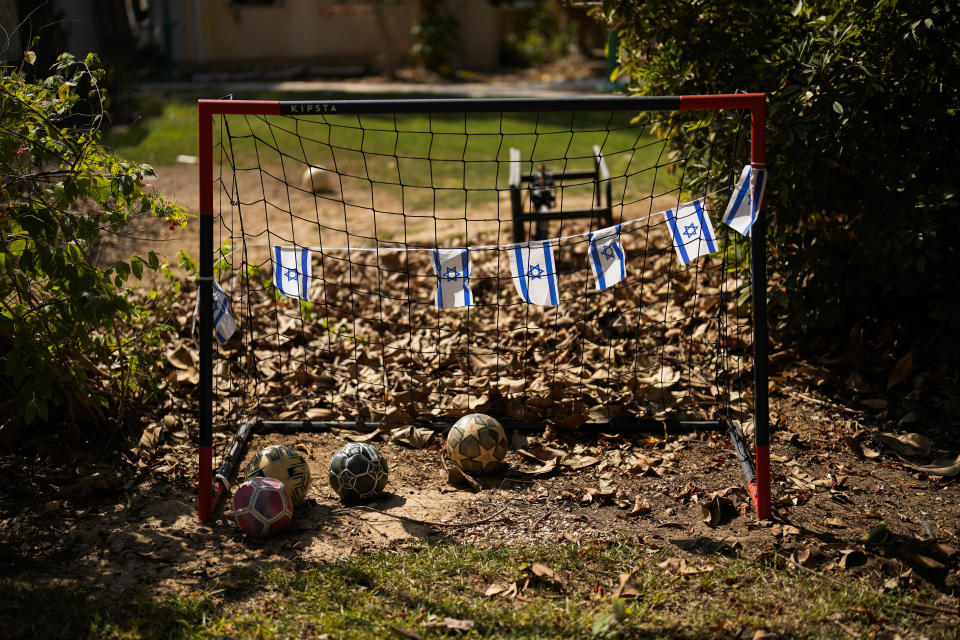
532	263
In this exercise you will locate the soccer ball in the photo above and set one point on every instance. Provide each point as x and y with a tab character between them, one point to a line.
262	506
476	443
358	471
317	180
285	464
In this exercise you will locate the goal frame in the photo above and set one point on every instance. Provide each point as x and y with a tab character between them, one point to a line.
756	469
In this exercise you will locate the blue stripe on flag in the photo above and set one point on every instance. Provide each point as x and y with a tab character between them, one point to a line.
436	262
277	268
551	276
465	261
521	273
741	194
304	285
623	260
597	265
704	229
675	232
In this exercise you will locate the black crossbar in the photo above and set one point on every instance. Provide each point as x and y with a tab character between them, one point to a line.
562	175
571	214
481	105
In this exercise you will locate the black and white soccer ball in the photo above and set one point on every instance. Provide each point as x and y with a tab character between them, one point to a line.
477	443
358	471
286	465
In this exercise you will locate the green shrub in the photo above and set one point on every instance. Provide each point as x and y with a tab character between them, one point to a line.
863	125
75	350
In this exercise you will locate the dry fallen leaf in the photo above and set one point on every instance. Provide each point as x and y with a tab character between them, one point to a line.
304	449
455	475
453	624
850	558
907	444
627	587
944	466
543	571
495	589
580	462
901	371
547	467
924	562
640	506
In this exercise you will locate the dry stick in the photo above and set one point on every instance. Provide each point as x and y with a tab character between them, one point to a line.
929	609
825	403
426	523
535	524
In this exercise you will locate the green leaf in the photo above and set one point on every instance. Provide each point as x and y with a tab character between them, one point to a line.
838	107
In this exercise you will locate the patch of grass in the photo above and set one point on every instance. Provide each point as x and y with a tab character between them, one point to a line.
392	593
157	137
437	161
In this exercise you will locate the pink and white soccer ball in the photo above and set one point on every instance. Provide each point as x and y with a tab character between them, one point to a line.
262	506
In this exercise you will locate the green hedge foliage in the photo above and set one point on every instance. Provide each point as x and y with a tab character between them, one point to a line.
76	351
863	131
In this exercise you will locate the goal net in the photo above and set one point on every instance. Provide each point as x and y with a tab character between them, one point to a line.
379	264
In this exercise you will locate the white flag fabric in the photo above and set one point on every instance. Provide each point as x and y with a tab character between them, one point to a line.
224	322
607	257
691	230
452	267
291	271
534	273
744	205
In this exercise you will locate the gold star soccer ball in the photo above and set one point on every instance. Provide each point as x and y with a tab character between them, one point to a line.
286	465
477	443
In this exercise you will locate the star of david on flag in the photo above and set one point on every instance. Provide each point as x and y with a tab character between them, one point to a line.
744	205
607	258
291	271
691	231
534	273
224	322
452	267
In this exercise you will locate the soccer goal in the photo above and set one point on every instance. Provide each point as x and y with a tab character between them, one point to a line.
574	263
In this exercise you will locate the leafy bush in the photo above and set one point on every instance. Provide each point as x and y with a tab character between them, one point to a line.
863	125
75	349
547	36
435	37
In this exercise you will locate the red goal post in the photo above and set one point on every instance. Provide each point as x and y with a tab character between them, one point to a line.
756	468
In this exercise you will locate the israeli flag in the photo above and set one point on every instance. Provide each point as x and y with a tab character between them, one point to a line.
744	205
691	231
224	322
452	267
291	271
607	258
534	273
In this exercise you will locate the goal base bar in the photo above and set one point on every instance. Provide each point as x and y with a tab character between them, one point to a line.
238	446
753	472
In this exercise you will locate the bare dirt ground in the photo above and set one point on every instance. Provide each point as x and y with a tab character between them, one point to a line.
130	525
832	486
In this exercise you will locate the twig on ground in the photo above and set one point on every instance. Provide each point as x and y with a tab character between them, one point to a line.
825	403
536	523
426	523
932	609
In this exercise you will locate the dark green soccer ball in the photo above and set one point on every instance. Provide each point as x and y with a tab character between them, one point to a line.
358	472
